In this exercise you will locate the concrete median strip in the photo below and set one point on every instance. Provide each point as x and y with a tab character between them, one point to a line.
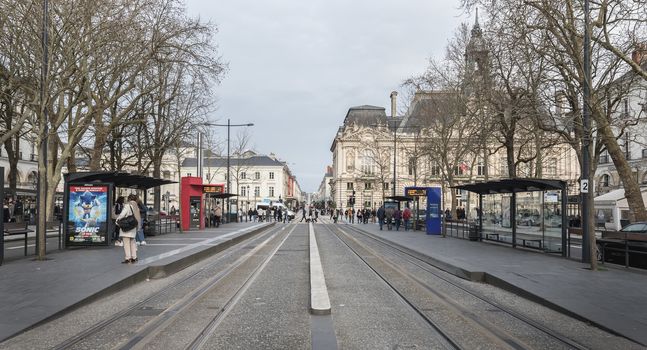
319	300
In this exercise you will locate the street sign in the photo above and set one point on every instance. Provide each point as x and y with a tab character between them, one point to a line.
584	186
416	192
213	189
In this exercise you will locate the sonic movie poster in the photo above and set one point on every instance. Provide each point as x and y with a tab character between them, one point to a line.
88	215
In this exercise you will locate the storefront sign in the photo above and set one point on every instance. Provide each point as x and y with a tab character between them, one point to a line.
88	213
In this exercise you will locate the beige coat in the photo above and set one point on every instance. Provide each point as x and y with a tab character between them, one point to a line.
130	207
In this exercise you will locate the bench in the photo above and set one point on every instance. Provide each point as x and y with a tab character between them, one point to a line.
490	235
14	229
524	240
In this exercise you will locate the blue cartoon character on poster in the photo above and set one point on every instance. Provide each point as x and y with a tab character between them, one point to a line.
88	214
87	201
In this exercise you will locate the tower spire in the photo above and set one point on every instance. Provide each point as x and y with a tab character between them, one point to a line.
476	29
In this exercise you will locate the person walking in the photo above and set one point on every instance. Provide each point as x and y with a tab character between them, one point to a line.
380	216
128	237
397	216
140	239
359	216
388	217
406	216
116	210
218	214
303	212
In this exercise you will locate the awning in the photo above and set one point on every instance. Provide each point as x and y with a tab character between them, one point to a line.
400	198
119	179
221	195
513	185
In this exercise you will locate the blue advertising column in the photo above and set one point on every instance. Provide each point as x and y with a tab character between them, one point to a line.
433	210
433	218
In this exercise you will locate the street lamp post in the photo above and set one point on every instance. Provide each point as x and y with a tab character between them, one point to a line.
247	193
228	125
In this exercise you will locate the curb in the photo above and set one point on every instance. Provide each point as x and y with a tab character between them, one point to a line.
319	300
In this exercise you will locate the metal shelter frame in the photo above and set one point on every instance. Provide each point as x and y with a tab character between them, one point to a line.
513	186
118	179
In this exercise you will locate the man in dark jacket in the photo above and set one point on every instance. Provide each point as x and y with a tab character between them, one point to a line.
380	216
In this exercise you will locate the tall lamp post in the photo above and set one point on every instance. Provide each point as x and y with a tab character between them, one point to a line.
247	193
587	238
228	125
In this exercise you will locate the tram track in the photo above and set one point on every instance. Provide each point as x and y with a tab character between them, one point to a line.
386	268
217	270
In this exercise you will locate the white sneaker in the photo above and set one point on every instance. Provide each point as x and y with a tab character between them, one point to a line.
143	242
119	243
137	243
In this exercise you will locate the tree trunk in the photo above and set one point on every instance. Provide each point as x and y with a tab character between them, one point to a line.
637	210
101	136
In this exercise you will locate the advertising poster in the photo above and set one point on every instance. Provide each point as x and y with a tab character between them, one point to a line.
88	214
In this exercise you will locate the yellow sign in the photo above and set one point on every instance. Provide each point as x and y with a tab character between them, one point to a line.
213	189
416	192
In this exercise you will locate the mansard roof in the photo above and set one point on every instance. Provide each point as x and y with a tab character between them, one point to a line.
221	162
429	106
365	115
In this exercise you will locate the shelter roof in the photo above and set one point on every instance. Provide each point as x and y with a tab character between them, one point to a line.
120	179
400	198
513	185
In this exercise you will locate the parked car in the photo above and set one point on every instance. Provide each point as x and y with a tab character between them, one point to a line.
290	214
632	238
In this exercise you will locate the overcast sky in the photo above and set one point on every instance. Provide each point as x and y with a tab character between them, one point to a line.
297	66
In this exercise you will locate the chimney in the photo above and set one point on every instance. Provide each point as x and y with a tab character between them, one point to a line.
639	55
394	96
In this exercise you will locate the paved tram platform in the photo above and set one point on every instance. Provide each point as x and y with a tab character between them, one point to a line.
614	298
34	291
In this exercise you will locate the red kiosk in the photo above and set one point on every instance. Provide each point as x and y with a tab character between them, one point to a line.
194	203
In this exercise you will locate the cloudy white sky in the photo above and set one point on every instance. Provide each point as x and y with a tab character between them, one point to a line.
297	66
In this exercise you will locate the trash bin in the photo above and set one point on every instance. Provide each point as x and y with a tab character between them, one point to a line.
473	233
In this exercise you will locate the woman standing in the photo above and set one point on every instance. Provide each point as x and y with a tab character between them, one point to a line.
116	210
128	237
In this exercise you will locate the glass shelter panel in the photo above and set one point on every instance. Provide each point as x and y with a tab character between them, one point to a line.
496	218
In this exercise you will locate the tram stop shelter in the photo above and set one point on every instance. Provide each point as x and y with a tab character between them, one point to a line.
522	212
88	201
197	200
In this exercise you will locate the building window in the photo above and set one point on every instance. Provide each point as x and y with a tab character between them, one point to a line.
460	169
604	158
257	191
188	174
349	185
645	153
386	186
271	192
480	169
551	167
243	175
367	165
368	186
604	180
435	170
412	165
257	175
271	175
243	191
